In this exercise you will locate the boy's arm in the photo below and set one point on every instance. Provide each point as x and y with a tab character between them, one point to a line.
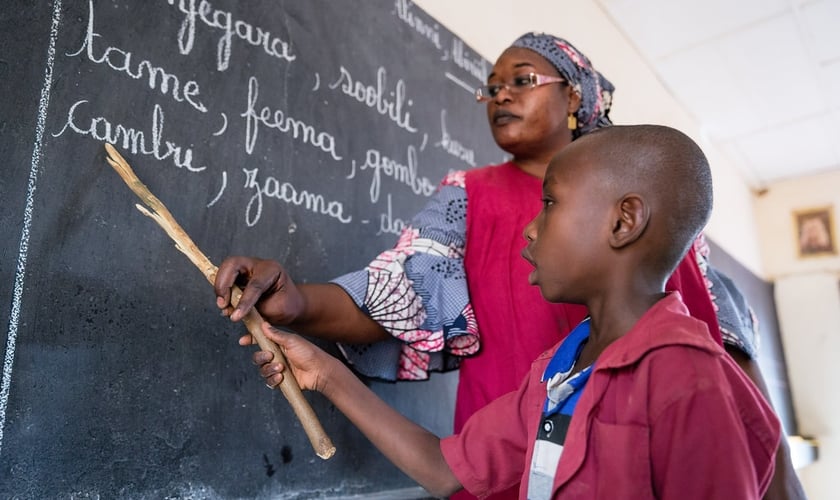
409	446
712	434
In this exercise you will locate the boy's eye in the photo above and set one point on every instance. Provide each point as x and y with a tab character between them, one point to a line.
547	202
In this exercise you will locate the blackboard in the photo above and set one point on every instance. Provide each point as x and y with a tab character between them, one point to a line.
304	131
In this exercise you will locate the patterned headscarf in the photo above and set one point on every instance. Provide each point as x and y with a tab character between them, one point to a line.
594	90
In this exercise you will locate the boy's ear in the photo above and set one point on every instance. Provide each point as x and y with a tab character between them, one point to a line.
632	216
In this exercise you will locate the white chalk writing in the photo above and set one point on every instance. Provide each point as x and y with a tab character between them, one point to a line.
287	192
473	64
388	224
451	146
279	121
404	173
120	60
129	138
220	19
373	96
405	14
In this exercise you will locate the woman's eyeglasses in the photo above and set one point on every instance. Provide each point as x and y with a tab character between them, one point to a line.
519	85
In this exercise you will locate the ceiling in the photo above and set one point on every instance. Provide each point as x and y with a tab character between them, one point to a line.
762	77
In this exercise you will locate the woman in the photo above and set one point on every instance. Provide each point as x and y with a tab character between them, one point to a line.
454	291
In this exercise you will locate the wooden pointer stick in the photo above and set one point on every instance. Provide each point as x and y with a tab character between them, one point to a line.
253	321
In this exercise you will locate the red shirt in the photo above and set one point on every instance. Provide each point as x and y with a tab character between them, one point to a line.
516	324
664	410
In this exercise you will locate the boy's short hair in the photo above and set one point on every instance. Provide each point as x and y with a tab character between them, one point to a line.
672	171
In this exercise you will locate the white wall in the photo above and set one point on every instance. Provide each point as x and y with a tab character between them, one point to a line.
755	230
808	305
490	26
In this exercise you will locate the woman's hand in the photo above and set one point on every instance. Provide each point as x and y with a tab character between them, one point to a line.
265	285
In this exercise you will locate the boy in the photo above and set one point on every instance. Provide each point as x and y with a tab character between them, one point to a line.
637	402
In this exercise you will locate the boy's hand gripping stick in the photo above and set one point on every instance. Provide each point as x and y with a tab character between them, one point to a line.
253	321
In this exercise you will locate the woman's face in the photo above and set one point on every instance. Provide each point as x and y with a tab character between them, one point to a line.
533	123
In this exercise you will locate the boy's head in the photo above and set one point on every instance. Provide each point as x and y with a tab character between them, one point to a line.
621	201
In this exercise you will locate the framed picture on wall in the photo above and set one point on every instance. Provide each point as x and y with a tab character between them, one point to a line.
815	232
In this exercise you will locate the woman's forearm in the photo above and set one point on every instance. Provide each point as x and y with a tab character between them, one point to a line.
331	314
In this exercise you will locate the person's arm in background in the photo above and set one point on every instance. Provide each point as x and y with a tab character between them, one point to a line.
739	330
405	314
785	484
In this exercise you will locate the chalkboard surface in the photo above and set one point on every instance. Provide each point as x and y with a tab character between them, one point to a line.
305	131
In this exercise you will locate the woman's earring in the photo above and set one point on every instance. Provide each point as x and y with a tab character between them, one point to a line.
572	122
